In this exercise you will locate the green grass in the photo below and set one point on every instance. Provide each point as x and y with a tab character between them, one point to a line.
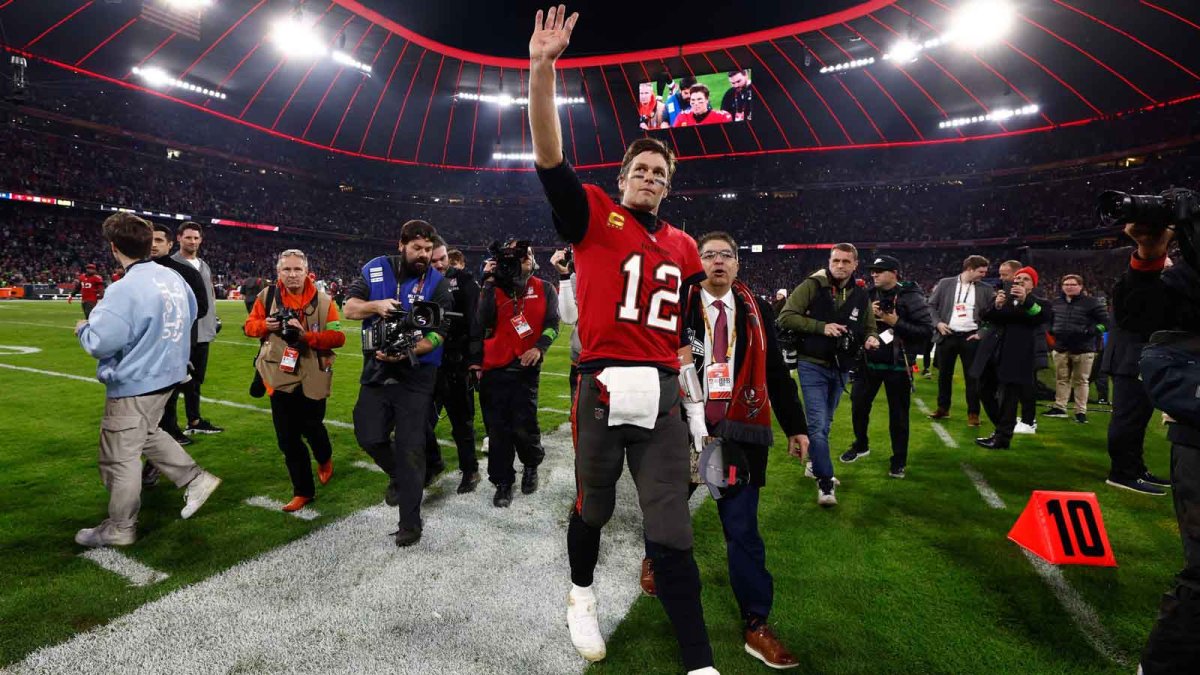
911	576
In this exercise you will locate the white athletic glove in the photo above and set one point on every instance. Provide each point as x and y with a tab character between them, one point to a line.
697	427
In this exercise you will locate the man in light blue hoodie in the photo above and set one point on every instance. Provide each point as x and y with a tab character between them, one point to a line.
140	334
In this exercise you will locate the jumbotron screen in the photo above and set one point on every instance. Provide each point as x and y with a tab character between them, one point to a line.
690	101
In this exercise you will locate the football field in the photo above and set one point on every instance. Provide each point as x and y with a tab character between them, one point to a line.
904	576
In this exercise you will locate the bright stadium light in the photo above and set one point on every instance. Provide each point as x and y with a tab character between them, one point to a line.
996	115
349	61
982	22
513	156
506	100
848	65
189	4
160	79
295	36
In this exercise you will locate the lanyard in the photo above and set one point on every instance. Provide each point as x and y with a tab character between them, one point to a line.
966	292
416	289
712	338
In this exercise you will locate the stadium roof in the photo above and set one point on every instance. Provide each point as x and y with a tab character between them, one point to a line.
1076	60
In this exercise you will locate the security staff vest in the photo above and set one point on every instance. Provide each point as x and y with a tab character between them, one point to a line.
315	382
506	344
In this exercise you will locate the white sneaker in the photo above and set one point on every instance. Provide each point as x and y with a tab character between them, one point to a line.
197	493
104	535
707	670
484	450
827	498
1023	428
584	624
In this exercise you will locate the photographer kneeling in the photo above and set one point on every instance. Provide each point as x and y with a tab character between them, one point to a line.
401	354
299	328
518	319
1164	306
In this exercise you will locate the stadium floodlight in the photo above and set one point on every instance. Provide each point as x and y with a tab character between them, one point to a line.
996	115
349	61
980	23
513	156
506	100
160	79
189	4
296	36
904	51
848	65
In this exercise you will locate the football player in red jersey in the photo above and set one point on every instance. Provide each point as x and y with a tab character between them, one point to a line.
631	268
90	287
701	112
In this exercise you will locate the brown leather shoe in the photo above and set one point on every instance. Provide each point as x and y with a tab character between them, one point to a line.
647	578
973	419
940	413
762	644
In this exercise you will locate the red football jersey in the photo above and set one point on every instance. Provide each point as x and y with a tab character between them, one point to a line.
90	286
628	284
686	119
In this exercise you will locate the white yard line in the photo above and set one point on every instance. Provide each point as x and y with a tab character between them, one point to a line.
215	401
122	565
345	599
559	411
938	429
989	495
304	513
368	466
921	405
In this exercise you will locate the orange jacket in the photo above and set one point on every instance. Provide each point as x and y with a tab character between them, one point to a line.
331	338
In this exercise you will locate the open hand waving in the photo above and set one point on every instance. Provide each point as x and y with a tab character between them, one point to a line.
550	39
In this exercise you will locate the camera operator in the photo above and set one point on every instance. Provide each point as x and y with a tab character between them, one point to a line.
1078	321
568	310
517	321
454	388
831	311
907	323
1003	364
958	304
396	394
1150	299
1027	421
299	328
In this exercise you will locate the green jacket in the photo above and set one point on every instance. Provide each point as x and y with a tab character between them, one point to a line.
792	316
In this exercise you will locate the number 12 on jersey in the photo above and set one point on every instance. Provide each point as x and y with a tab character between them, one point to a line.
662	312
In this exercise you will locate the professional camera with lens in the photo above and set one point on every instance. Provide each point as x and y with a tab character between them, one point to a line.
290	334
508	263
1177	209
399	332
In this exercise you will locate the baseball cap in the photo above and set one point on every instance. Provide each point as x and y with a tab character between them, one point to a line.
884	263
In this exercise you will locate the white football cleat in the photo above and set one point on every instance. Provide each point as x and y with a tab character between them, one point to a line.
584	624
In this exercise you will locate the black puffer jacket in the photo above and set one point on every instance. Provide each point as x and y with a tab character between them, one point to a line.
914	327
1077	323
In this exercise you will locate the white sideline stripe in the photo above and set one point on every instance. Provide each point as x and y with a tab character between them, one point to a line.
368	466
446	444
989	495
547	372
1082	614
304	513
921	405
560	411
215	401
34	323
122	565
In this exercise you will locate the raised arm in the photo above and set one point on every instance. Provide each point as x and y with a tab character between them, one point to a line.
550	38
